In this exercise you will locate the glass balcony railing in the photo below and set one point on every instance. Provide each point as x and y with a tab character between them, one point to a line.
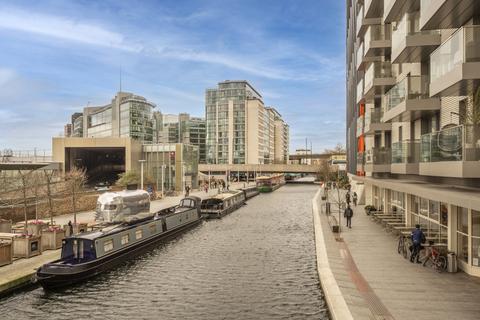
407	151
360	54
409	25
360	16
377	32
460	143
360	91
411	87
360	158
379	156
462	47
372	116
378	70
359	125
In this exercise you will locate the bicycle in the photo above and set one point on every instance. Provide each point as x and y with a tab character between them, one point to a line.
403	245
435	259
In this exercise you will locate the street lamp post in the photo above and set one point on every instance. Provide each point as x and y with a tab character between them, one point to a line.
163	183
141	172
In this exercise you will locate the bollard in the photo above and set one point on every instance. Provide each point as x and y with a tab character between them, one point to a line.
327	208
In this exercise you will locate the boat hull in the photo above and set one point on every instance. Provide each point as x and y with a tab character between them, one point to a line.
82	272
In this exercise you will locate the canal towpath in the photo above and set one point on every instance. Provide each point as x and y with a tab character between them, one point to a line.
375	282
20	272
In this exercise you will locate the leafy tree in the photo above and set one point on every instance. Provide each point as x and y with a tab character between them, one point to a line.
132	177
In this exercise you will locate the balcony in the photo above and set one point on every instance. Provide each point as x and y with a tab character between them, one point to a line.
378	160
393	8
360	126
363	23
373	8
452	152
377	40
373	122
455	65
379	78
360	91
405	157
408	100
410	44
446	14
362	60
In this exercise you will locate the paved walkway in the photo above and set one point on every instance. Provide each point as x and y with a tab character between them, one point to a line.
378	283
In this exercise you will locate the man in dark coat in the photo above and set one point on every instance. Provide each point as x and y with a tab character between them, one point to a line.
418	237
348	213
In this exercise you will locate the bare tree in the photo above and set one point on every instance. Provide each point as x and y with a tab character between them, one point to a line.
75	180
25	186
49	177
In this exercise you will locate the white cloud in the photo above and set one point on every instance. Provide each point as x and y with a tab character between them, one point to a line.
62	28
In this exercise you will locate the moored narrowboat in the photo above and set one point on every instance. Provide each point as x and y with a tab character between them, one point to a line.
270	183
250	192
222	204
88	254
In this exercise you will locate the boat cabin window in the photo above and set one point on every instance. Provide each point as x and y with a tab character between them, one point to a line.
138	234
125	239
108	246
77	250
189	203
110	207
153	228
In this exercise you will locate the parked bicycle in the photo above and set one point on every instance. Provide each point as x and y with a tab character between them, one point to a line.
404	244
434	259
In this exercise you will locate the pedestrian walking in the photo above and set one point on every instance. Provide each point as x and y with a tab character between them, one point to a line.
348	214
347	198
187	191
70	228
418	237
355	198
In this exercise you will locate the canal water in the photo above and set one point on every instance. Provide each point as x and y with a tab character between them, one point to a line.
256	263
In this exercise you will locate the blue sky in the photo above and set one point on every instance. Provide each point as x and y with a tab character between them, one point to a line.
57	56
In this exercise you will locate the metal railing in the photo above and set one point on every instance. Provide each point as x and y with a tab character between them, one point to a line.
463	46
407	151
460	143
25	156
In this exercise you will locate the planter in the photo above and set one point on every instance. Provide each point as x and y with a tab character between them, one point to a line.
35	228
6	252
26	247
52	239
78	228
335	229
324	198
5	226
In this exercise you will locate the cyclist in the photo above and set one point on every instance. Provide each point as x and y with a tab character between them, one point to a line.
418	237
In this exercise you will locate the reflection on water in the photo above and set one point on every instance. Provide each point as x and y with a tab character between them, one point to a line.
256	263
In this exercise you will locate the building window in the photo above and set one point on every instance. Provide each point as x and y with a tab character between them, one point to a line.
138	234
108	246
462	234
475	238
125	239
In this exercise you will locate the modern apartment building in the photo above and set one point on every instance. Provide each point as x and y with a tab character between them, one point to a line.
183	128
413	115
240	129
127	115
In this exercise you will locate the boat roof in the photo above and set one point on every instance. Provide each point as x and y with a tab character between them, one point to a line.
226	194
110	196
